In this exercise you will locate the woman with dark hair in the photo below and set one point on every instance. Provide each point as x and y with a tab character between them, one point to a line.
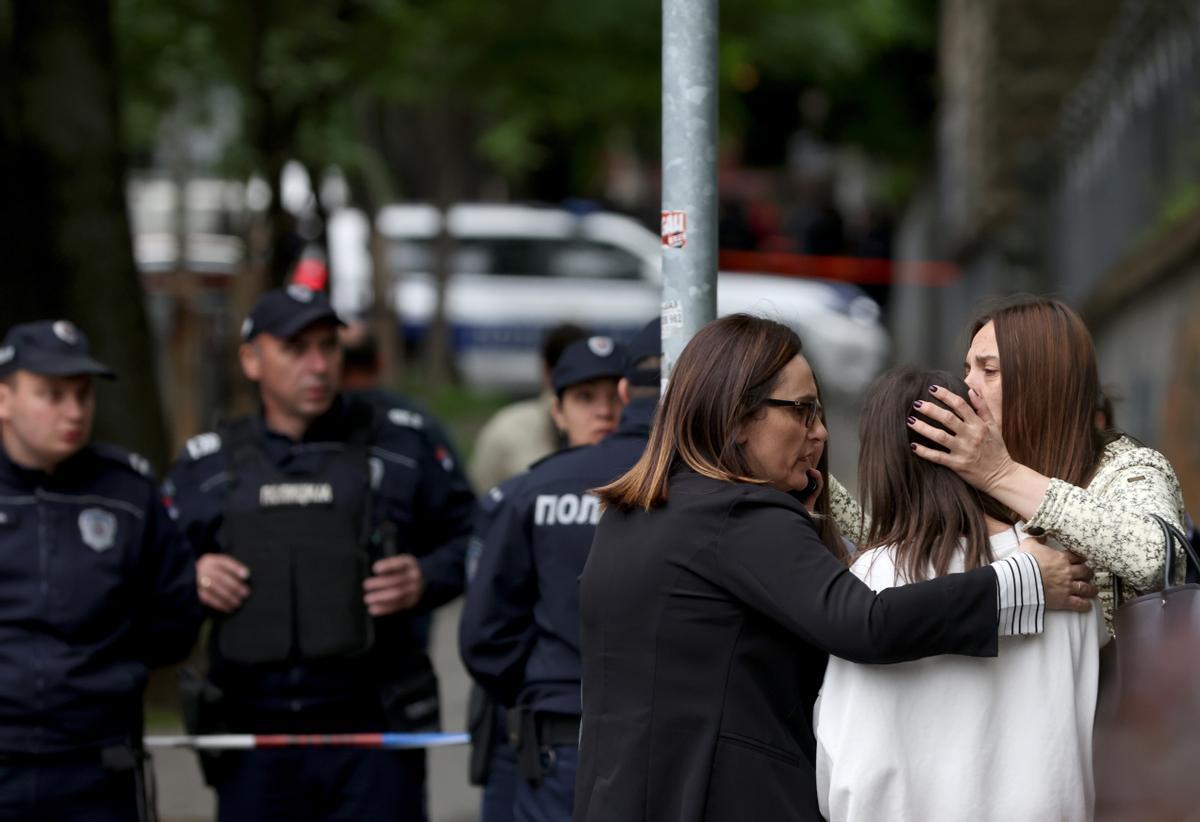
1027	438
951	737
709	603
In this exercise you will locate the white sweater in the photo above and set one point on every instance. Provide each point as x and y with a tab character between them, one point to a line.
957	738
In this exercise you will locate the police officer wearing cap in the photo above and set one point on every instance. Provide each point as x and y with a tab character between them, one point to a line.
519	634
584	407
326	529
97	586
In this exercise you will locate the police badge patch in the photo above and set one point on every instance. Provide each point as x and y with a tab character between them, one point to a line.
65	330
601	346
98	528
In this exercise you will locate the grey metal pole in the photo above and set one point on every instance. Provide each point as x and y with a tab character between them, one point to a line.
689	172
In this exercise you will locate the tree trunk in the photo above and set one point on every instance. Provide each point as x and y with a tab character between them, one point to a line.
68	177
444	143
20	292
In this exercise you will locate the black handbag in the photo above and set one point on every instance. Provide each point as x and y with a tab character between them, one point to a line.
1147	732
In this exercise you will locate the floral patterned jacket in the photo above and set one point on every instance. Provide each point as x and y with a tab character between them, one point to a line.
1107	522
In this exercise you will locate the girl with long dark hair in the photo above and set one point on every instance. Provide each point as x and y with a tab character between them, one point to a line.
951	737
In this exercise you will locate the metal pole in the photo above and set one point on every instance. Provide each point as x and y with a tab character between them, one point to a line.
689	172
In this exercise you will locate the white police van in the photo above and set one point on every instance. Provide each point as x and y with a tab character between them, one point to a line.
517	270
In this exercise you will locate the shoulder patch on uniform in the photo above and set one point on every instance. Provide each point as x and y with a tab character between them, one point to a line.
126	459
405	418
202	445
140	464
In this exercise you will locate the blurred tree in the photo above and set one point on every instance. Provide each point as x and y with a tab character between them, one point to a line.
874	60
439	100
63	226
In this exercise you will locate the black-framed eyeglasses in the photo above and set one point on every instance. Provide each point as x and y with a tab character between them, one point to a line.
807	410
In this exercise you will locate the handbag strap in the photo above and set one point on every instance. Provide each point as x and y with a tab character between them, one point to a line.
1171	535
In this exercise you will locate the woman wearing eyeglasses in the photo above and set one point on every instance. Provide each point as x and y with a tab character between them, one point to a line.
711	597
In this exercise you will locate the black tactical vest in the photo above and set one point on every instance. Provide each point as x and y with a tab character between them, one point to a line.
304	539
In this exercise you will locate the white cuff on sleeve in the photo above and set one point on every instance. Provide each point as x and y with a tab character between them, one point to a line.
1020	599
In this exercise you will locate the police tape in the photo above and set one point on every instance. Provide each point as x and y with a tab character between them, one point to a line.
240	742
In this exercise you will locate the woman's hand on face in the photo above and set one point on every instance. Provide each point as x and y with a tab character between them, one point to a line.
1066	578
976	447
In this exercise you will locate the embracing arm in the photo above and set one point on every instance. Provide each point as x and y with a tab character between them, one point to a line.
769	557
846	511
1109	522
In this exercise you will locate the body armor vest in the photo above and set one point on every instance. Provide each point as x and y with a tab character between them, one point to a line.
304	539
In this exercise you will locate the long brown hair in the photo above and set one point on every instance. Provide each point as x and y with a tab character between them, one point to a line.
718	384
921	508
1051	385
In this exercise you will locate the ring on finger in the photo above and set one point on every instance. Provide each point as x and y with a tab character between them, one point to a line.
205	582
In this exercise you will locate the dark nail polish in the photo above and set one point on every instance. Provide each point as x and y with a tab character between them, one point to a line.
913	446
911	420
933	389
917	404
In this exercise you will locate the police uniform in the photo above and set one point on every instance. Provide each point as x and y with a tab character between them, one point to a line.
493	758
96	587
519	634
301	654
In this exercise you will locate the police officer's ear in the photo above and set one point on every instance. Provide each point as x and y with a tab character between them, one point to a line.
7	387
556	414
250	357
623	390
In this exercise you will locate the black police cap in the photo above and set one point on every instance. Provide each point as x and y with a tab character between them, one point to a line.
285	312
588	359
55	348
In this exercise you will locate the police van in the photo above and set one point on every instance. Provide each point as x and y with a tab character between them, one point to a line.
517	270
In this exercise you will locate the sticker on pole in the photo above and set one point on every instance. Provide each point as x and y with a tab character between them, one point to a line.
672	317
674	229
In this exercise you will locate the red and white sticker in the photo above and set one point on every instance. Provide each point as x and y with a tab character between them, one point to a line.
674	229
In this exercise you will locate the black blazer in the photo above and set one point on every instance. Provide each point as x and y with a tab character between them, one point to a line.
706	626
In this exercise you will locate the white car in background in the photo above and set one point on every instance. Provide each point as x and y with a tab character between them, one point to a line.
518	270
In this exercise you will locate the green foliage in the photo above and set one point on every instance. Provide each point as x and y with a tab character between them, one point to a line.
579	72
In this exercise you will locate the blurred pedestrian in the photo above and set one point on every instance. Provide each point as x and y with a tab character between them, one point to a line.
97	586
520	434
1028	439
709	602
949	737
326	528
519	633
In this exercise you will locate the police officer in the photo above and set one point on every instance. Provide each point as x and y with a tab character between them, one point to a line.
519	634
96	587
326	529
584	406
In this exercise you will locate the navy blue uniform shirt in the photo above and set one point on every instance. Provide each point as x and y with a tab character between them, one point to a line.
97	585
519	634
418	485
